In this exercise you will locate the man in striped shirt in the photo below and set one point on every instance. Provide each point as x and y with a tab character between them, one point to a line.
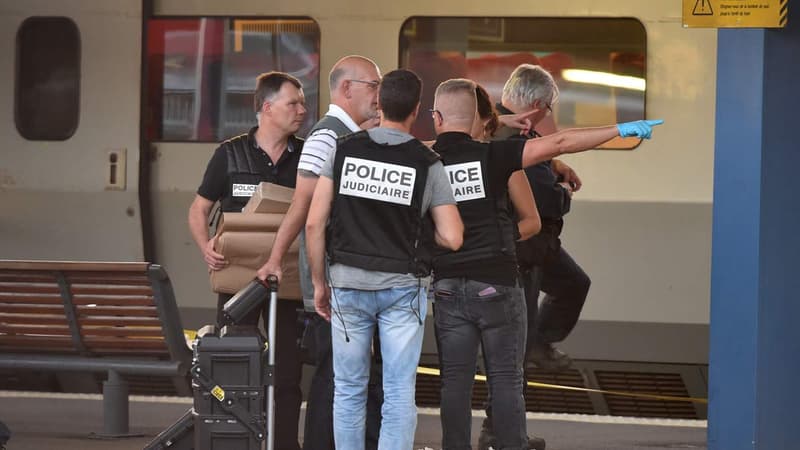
354	82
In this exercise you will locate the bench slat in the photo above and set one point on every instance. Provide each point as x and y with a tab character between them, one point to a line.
127	311
43	342
83	311
27	288
31	299
31	309
128	321
89	289
97	346
109	300
37	319
63	330
26	277
40	319
54	299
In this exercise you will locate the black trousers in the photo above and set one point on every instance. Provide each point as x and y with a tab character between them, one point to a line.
468	313
288	395
565	285
318	433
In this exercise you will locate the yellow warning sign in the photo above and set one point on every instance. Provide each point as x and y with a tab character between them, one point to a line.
735	13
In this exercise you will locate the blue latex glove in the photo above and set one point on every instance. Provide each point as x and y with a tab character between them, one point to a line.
640	128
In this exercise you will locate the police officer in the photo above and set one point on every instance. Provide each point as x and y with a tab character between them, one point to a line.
268	152
476	289
544	262
388	199
353	82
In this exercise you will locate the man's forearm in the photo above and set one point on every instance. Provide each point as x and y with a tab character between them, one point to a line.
198	228
566	141
292	223
315	247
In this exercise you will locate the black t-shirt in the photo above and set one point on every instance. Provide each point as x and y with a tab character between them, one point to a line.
216	186
505	158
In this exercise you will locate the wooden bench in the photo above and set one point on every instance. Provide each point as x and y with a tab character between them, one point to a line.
119	318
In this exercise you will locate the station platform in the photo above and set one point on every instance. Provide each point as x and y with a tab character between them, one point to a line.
40	421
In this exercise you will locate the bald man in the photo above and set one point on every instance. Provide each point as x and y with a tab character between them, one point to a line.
476	289
354	82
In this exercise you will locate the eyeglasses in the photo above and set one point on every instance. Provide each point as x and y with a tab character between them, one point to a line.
373	84
436	111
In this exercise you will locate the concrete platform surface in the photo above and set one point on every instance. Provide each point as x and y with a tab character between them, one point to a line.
43	421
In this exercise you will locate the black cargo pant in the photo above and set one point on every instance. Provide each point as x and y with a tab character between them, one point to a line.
288	368
565	285
318	434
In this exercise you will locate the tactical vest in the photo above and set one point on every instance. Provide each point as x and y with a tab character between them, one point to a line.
376	217
243	175
489	229
331	123
243	172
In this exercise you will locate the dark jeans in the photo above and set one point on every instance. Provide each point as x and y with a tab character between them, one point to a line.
287	368
566	286
468	313
318	434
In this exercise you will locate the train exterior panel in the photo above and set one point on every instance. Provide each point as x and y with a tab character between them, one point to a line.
640	227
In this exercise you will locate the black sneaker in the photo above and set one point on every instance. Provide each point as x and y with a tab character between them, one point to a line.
487	441
545	356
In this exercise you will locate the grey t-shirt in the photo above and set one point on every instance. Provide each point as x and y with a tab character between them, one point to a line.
437	192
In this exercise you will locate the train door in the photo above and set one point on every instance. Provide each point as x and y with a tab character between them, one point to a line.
70	126
201	75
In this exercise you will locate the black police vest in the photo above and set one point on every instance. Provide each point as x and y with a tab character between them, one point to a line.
243	172
489	229
243	175
376	221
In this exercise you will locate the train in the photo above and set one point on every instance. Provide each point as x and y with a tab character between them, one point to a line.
112	109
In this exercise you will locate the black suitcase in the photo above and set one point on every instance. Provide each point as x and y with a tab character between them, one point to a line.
235	363
229	391
179	435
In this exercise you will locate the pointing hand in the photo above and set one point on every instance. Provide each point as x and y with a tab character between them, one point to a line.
640	128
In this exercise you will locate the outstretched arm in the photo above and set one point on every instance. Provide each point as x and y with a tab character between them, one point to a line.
581	139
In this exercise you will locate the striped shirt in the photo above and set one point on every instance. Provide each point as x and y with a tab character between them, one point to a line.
319	144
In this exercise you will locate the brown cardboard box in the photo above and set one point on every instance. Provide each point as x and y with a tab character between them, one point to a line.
246	252
245	240
269	198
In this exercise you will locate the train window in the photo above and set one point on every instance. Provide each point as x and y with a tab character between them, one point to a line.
598	63
201	72
47	91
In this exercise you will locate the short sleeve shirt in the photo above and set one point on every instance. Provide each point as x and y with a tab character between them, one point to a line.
320	143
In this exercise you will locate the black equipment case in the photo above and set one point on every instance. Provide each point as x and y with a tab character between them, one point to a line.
227	380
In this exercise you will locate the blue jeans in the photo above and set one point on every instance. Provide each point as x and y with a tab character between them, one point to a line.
468	313
399	314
